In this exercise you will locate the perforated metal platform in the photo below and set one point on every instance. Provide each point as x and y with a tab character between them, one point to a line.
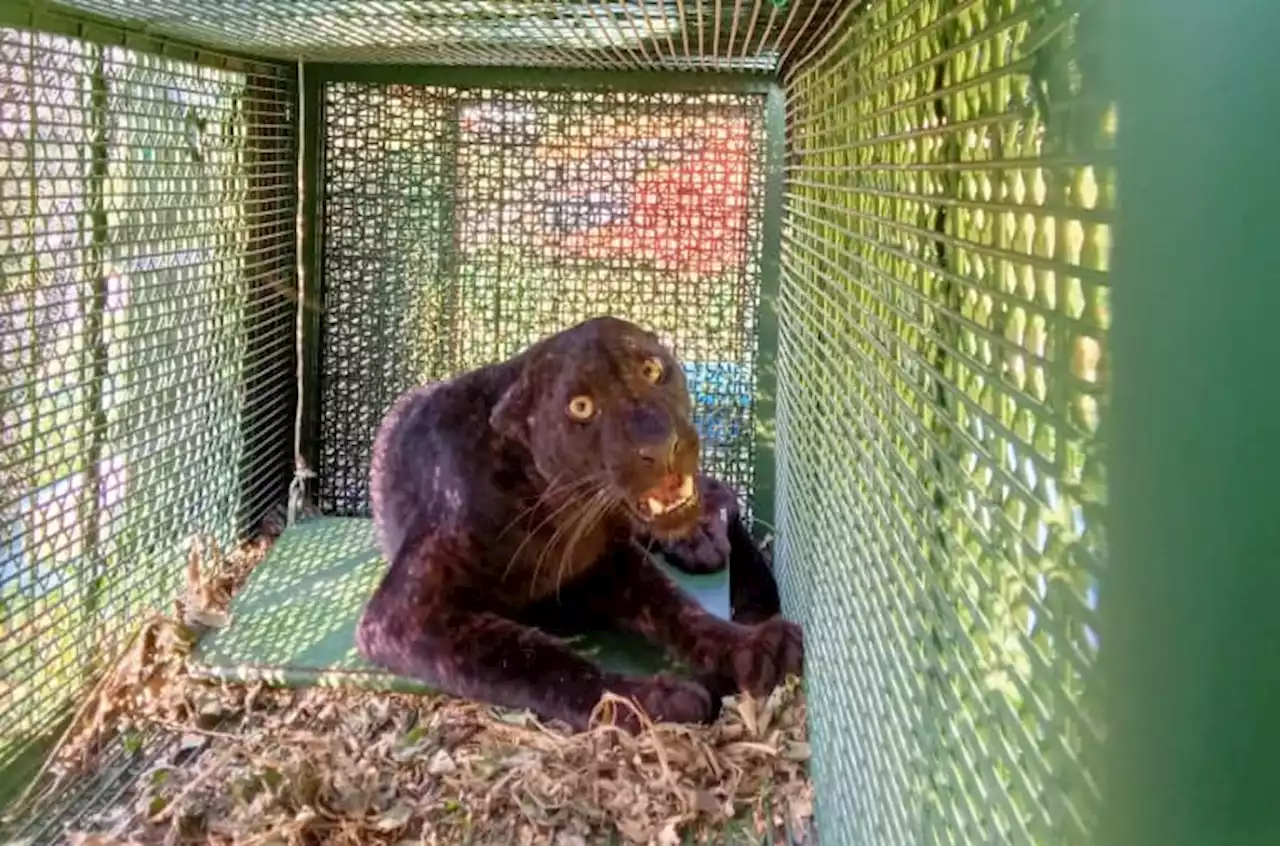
293	623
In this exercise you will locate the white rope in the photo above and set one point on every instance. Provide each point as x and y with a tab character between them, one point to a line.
301	471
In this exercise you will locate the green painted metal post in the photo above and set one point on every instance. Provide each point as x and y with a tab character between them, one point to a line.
311	141
775	117
1191	607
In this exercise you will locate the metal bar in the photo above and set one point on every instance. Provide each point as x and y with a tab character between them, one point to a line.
820	48
1190	625
792	8
737	82
311	152
767	315
715	34
608	35
733	30
91	564
648	62
814	5
448	359
684	27
655	40
751	28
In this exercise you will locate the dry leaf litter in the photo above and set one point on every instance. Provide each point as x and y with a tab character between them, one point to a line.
267	766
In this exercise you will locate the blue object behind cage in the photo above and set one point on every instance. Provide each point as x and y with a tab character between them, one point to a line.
721	392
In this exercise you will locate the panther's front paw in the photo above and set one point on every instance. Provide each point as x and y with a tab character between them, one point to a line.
706	549
664	699
767	654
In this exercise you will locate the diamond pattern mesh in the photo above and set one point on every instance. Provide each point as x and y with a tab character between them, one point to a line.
459	226
944	306
651	34
146	335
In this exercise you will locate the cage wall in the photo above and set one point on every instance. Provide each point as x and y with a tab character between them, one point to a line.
459	218
944	307
147	323
690	35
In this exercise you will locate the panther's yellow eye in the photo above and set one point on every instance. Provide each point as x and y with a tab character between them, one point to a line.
581	407
652	370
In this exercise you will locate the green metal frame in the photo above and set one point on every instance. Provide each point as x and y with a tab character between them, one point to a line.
311	255
544	80
763	506
259	124
1190	620
315	76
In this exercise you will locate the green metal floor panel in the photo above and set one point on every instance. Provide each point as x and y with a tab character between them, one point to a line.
293	623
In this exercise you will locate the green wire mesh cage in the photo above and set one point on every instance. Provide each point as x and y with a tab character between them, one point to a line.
148	207
878	234
497	217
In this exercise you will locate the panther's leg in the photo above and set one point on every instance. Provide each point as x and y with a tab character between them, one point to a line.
421	625
637	595
721	537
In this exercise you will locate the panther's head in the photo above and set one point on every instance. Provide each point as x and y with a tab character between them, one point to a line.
604	411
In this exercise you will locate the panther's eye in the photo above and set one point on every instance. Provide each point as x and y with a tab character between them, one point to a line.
651	370
581	407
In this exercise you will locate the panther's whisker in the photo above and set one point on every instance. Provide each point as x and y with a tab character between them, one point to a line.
576	498
581	503
537	500
603	502
546	495
565	529
570	503
547	547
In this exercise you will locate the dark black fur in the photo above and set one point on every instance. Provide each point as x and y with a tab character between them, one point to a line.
499	510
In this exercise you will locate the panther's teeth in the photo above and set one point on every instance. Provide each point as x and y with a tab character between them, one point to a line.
686	490
655	507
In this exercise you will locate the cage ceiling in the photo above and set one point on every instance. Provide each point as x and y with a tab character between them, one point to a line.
742	35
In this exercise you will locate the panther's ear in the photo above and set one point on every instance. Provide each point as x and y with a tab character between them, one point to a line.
510	415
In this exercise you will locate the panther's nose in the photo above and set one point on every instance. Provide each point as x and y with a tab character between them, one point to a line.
654	434
660	452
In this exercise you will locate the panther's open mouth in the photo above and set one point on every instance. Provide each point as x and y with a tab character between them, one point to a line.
671	501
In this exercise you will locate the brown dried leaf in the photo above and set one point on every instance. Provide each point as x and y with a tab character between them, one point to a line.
705	802
207	618
397	816
747	711
634	830
194	579
191	741
441	763
80	838
800	809
796	750
347	767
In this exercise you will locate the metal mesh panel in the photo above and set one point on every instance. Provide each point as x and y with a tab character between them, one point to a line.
147	266
459	226
943	311
673	34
